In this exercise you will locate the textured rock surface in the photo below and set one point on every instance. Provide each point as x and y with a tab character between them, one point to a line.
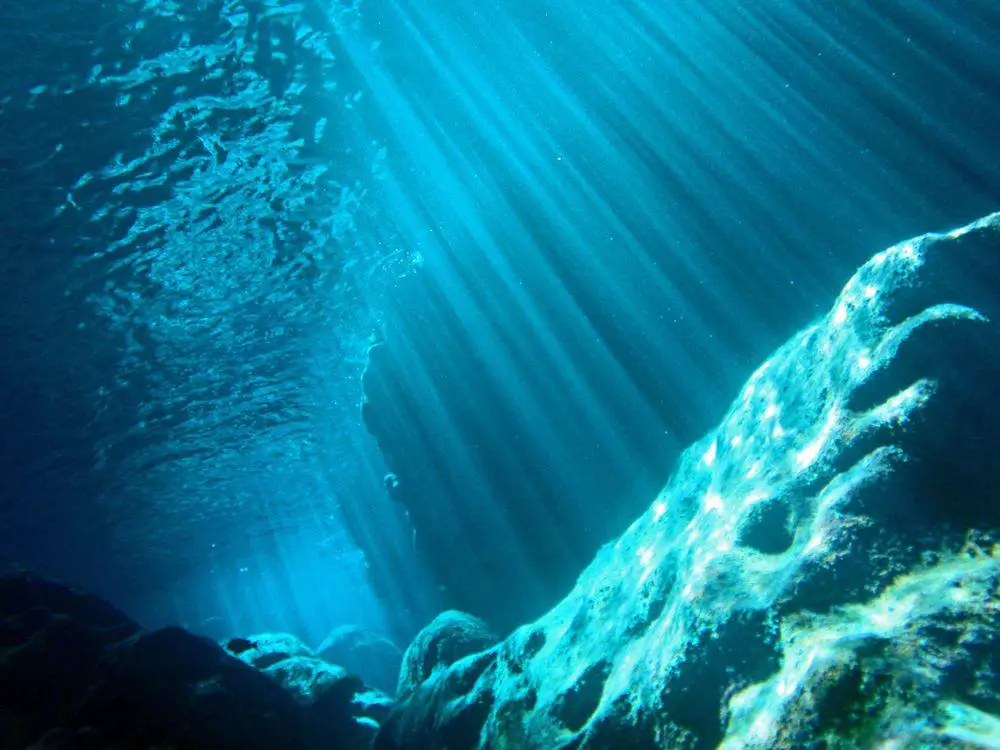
338	710
449	637
780	591
269	648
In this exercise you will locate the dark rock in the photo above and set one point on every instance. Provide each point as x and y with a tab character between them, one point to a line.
24	592
77	673
372	657
184	687
447	711
52	640
449	637
575	706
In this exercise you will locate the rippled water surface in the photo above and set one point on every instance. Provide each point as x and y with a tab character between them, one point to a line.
182	189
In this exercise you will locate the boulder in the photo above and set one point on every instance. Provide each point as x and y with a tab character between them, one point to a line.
449	637
265	649
374	658
75	672
185	686
338	710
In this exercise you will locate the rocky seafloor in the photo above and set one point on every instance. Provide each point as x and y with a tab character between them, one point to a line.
821	570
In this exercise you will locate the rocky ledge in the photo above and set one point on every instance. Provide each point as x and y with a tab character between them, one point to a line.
76	673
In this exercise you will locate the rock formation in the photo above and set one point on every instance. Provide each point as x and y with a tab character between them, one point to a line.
781	589
77	673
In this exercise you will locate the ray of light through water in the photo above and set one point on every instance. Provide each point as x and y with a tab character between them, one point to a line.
558	236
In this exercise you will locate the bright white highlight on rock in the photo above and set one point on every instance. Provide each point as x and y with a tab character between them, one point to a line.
815	541
713	502
709	457
810	452
840	315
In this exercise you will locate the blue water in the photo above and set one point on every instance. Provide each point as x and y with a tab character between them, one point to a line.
558	236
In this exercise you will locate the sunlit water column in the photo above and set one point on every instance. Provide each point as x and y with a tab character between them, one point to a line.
620	207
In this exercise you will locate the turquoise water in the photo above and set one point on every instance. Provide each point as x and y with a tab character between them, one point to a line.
569	231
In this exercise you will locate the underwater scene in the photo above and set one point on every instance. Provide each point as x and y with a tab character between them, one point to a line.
511	374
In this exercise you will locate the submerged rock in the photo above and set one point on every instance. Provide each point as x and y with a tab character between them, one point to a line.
265	649
75	672
372	657
308	678
704	625
449	637
339	711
